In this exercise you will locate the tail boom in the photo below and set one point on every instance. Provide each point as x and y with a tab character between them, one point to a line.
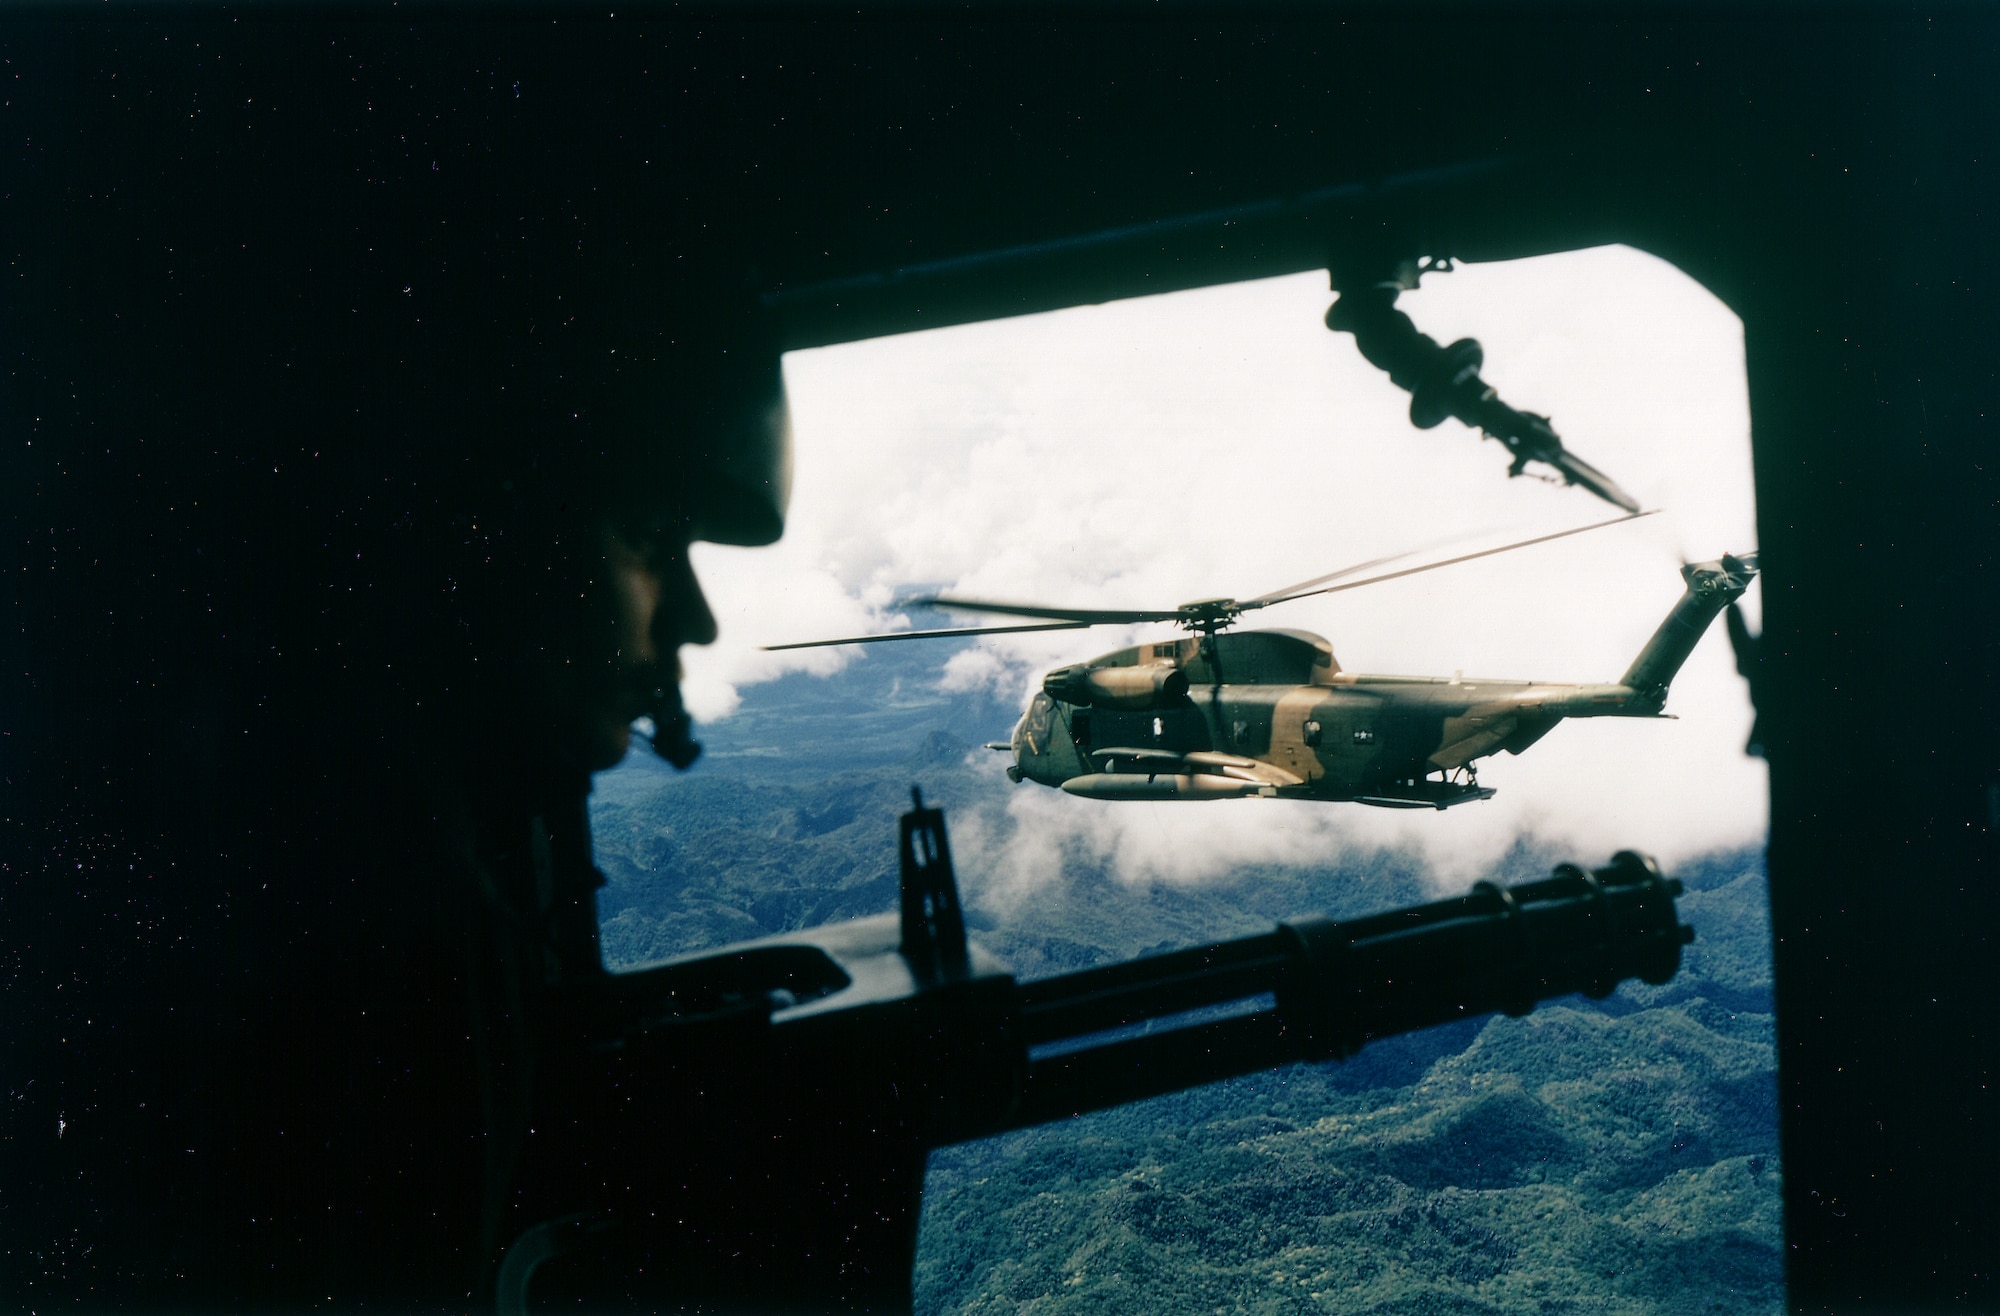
1520	718
1711	587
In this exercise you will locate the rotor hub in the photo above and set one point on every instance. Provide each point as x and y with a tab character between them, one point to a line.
1207	615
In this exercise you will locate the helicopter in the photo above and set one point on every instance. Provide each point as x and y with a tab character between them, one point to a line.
1222	714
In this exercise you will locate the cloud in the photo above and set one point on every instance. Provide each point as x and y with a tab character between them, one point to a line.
1223	442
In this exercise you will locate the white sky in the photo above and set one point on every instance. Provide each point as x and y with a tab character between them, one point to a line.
1223	442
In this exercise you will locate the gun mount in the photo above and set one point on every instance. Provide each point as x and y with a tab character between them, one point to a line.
837	1057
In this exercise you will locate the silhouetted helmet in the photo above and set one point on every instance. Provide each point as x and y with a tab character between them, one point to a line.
657	406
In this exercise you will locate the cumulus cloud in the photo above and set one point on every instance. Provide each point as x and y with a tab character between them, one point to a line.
1223	442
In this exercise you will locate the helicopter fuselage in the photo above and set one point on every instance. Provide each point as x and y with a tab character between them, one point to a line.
1270	713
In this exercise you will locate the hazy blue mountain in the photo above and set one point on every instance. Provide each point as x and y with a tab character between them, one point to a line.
1610	1156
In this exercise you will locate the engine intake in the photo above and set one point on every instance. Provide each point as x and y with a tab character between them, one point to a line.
1136	689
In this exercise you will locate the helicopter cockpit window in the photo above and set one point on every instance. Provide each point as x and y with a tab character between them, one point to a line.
1038	720
1045	461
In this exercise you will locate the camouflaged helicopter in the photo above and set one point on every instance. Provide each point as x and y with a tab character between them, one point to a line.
1222	714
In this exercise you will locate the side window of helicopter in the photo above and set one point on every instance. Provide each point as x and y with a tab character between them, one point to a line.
1304	462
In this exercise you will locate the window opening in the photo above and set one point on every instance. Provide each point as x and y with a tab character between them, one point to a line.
1049	459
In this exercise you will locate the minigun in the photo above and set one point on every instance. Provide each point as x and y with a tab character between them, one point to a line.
747	1129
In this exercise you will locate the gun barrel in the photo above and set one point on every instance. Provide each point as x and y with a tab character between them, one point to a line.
834	1059
1319	989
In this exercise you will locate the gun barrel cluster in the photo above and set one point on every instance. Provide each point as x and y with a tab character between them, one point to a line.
840	1056
1319	989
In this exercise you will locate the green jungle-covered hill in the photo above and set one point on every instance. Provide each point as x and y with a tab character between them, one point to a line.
1599	1156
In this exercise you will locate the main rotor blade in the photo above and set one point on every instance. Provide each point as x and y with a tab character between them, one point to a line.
1085	616
930	635
1267	600
1072	619
1291	591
